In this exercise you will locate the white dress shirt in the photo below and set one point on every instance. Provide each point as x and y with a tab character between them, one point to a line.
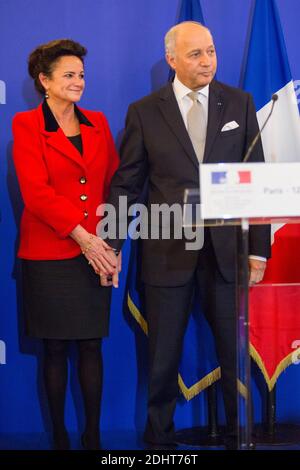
185	103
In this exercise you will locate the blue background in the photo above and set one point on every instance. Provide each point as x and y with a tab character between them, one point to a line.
125	61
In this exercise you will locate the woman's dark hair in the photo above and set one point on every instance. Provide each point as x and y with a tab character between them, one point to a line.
43	58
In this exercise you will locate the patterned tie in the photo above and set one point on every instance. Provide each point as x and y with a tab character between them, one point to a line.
196	125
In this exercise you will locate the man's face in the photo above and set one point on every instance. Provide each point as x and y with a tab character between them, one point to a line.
194	60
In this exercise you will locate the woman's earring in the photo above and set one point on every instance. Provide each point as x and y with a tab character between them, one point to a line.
46	95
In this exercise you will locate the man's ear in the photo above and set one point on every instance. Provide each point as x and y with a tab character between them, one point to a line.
171	61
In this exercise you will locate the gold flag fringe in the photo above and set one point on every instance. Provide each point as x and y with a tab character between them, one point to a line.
242	389
271	381
214	375
199	386
188	392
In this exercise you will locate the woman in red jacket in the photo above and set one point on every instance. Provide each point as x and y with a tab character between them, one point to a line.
65	158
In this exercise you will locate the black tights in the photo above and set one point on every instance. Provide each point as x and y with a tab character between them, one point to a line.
90	378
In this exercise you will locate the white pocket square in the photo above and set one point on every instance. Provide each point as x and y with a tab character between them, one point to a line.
229	126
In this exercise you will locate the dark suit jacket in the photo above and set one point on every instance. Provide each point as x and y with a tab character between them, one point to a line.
156	146
60	188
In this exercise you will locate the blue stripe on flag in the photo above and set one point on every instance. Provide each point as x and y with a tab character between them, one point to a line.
190	10
218	177
267	55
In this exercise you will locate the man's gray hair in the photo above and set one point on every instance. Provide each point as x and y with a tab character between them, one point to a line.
170	37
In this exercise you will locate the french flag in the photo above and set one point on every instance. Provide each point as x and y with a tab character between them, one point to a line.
275	303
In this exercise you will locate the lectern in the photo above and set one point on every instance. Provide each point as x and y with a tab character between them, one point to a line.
243	194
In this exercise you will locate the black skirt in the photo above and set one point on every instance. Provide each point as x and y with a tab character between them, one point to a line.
63	299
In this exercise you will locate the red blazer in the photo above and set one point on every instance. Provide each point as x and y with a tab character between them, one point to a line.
60	188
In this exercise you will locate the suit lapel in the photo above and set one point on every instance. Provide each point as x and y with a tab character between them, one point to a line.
170	110
90	142
61	143
57	139
216	106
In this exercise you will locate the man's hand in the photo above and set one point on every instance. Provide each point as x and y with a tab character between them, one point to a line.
256	271
113	280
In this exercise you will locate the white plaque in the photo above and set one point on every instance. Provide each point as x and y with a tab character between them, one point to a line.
237	190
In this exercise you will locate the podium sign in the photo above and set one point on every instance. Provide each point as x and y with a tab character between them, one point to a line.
240	195
243	194
249	190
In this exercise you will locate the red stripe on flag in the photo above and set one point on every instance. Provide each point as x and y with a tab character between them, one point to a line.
244	176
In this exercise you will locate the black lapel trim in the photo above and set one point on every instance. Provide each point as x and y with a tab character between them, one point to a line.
82	118
51	125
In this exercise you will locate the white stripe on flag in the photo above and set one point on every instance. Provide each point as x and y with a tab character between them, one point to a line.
281	137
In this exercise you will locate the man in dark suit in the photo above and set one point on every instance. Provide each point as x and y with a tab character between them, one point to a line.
194	119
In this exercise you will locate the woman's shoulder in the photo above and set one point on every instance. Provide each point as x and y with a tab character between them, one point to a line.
23	117
95	117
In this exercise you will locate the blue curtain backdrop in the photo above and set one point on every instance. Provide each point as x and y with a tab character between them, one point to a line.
125	61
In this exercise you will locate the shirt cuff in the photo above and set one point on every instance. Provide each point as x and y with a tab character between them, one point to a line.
259	258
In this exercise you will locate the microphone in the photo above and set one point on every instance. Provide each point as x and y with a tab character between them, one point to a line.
254	141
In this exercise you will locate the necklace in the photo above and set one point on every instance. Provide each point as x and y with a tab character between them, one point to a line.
69	127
